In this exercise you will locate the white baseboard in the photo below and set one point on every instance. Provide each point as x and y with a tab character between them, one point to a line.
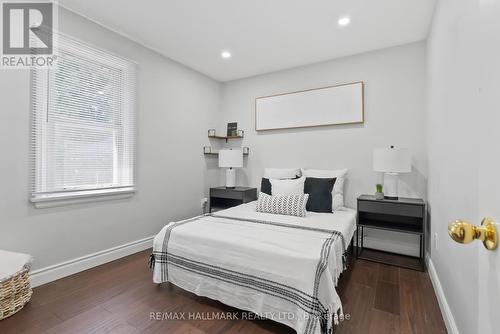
63	269
392	246
449	320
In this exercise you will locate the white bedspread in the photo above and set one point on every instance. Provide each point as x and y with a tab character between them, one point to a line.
280	267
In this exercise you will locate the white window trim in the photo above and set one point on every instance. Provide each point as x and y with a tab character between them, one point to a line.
69	197
84	196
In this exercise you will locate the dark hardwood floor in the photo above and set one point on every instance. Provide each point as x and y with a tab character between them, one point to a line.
119	297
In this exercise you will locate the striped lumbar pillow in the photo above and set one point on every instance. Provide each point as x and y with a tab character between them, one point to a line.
291	205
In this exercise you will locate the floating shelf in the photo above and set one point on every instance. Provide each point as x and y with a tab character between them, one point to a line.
217	153
213	135
226	137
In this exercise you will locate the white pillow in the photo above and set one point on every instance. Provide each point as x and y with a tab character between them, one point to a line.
287	187
281	173
338	187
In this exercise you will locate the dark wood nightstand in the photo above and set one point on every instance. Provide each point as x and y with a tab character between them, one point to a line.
223	198
404	215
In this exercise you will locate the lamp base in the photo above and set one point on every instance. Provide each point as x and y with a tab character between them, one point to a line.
391	181
230	178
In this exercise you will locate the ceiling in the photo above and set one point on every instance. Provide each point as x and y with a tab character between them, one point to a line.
262	35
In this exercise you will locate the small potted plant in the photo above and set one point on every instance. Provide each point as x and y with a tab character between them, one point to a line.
379	194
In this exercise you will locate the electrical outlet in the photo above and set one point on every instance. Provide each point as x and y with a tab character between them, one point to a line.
204	202
435	240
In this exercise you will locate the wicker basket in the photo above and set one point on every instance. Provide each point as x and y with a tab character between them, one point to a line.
15	292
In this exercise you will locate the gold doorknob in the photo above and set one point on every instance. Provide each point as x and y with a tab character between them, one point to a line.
464	232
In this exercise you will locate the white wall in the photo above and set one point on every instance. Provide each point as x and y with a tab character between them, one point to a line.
453	111
175	107
394	115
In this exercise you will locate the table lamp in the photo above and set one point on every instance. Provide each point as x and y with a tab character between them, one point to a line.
230	159
391	161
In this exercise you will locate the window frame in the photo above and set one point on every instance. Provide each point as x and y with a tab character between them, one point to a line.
39	139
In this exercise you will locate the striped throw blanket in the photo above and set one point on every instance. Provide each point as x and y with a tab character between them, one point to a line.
279	270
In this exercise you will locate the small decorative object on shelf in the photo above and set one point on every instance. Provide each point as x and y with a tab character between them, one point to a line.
241	133
232	129
211	132
379	194
246	150
207	149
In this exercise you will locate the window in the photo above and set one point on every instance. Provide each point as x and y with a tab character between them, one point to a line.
83	125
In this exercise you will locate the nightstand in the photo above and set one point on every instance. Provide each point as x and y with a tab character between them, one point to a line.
404	215
223	198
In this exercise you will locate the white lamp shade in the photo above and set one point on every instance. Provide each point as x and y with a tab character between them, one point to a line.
392	160
231	158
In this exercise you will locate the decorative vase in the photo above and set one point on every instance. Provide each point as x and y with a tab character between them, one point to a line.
379	195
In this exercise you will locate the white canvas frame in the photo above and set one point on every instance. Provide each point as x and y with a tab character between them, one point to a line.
332	105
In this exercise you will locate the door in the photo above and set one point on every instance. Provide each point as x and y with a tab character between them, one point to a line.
489	164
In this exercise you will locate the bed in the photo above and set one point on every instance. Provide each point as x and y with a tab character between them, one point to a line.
279	267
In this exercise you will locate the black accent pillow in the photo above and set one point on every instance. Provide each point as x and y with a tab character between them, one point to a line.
320	194
265	184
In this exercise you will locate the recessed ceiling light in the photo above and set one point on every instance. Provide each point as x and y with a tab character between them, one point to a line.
225	54
343	21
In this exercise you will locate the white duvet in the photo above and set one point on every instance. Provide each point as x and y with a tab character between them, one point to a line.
280	267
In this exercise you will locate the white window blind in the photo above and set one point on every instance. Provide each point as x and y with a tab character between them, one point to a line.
83	124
